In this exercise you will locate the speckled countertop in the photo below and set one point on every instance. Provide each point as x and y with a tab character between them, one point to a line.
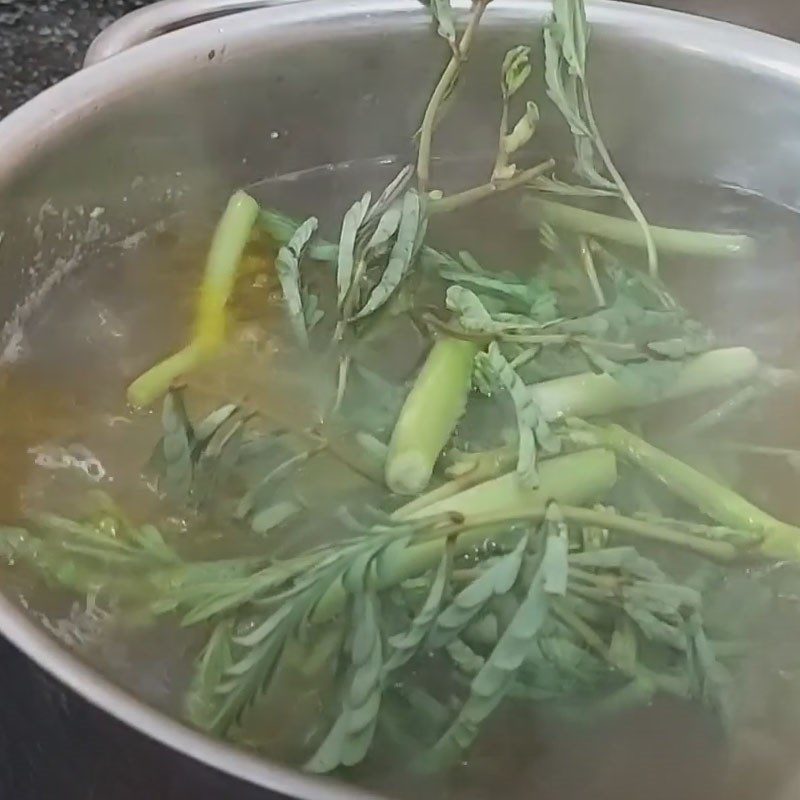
43	42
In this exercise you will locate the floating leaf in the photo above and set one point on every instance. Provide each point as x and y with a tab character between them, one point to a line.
351	735
287	267
347	244
533	429
494	679
176	447
405	645
495	581
400	257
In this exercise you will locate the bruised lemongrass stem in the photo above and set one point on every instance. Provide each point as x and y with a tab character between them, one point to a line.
467	531
477	193
230	237
429	415
623	231
710	497
591	394
481	467
569	480
446	81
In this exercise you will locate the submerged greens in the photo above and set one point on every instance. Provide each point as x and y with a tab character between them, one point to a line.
499	521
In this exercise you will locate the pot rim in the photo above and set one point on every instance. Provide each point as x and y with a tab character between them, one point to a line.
42	119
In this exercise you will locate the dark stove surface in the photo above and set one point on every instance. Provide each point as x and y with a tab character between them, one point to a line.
56	746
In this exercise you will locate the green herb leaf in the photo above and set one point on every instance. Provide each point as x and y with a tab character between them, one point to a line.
523	131
347	245
495	678
351	735
400	258
516	69
176	447
287	266
495	581
443	14
405	645
533	430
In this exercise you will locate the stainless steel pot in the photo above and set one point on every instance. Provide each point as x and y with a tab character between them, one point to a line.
158	124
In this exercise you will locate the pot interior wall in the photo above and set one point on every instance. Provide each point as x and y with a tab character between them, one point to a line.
177	132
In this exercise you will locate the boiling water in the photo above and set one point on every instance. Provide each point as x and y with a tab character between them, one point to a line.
65	428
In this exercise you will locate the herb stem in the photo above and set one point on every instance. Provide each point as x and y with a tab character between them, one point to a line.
713	499
484	466
591	272
630	201
446	81
623	231
477	193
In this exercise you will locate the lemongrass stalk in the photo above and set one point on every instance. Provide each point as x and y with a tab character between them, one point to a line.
509	495
440	92
591	394
474	468
570	480
719	502
628	232
230	237
429	415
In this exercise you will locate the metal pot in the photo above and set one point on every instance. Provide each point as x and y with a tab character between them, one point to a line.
191	114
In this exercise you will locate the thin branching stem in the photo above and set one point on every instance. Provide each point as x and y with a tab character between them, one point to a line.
477	193
630	200
446	81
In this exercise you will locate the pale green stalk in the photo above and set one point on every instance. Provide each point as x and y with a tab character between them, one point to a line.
627	232
230	238
625	192
591	394
429	415
508	495
475	468
570	480
441	205
722	504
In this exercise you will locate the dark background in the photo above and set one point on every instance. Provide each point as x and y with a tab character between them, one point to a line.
53	745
